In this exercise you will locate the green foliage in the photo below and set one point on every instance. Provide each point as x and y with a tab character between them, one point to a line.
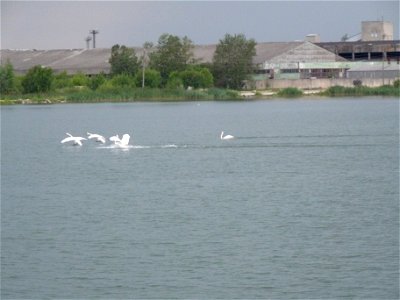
290	92
62	80
80	79
7	78
18	84
37	80
191	78
130	94
96	81
174	81
122	80
385	90
172	54
232	61
152	79
396	83
123	60
196	77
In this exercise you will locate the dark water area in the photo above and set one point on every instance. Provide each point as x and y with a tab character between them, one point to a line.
303	203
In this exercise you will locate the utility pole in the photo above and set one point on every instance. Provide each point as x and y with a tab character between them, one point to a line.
94	32
88	39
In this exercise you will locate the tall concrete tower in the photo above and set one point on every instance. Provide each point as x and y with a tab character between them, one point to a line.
376	31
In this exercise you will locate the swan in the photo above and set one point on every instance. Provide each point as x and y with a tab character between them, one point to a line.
115	138
76	139
98	137
124	142
226	137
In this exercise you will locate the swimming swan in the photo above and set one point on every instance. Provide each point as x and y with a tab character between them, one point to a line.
115	138
98	137
123	143
226	137
76	139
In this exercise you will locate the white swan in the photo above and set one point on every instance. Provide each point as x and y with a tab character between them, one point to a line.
98	137
76	139
124	142
115	138
226	137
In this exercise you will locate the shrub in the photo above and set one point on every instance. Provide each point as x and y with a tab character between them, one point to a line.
96	81
38	79
152	79
174	81
80	79
396	83
62	80
197	77
290	92
123	80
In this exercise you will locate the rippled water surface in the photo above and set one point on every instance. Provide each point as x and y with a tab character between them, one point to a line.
303	203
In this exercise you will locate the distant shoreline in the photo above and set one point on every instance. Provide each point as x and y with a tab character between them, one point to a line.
162	95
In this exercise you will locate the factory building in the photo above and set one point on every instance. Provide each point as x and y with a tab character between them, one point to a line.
376	31
298	60
375	70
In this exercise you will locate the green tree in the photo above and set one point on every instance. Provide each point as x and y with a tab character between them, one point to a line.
152	79
174	81
7	78
196	77
232	61
172	54
38	79
145	61
123	60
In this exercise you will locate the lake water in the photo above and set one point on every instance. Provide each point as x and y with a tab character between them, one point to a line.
303	203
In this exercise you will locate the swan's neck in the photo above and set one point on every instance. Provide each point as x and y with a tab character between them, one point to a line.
222	134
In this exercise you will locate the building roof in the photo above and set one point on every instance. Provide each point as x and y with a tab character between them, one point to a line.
73	61
94	61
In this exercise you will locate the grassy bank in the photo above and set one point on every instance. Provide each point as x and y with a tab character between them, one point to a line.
130	94
340	91
121	94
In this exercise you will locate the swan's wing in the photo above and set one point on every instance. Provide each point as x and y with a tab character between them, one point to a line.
68	134
102	139
78	142
68	139
125	139
115	139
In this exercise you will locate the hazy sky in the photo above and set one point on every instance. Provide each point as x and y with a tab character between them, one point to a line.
65	24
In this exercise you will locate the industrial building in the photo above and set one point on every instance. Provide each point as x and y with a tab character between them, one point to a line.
276	59
376	31
375	70
375	56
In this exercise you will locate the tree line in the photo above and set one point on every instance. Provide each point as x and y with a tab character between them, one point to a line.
168	64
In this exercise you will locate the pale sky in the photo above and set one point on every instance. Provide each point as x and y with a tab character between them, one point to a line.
65	24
